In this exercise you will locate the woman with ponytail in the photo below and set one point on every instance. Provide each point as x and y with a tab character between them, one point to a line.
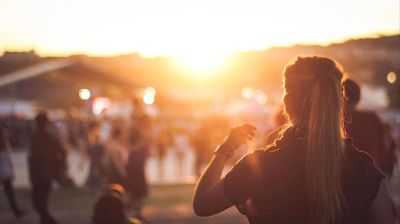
311	173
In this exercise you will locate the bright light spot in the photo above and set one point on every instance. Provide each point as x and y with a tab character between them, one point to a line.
149	95
247	92
202	64
148	99
100	104
260	97
84	94
150	90
391	77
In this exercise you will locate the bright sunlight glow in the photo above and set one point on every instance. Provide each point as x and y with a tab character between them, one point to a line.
201	64
199	34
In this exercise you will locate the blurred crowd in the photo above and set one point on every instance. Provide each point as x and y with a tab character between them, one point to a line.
117	148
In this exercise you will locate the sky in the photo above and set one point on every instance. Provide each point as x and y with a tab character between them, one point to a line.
186	28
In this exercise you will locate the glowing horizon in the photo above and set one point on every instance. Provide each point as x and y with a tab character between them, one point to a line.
182	29
55	53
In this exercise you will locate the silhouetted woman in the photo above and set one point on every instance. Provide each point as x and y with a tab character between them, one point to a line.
311	174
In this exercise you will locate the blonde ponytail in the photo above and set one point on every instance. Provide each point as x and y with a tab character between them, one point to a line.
316	105
324	153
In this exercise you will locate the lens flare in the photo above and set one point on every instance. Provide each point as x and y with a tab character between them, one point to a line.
84	94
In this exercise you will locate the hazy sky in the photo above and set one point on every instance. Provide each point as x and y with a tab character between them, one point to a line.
185	27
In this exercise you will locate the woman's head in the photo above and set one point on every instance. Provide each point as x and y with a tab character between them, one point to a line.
41	120
314	101
352	93
109	208
311	80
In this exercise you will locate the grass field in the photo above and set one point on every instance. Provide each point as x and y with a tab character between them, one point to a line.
166	204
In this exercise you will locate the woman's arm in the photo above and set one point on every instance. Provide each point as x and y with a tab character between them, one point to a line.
209	197
381	210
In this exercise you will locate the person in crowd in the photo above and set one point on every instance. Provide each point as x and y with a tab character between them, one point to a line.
367	130
389	159
201	141
7	173
139	151
47	164
77	132
138	109
110	207
163	143
312	174
105	129
61	132
117	156
180	144
96	152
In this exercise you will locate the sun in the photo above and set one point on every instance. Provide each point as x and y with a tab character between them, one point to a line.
201	64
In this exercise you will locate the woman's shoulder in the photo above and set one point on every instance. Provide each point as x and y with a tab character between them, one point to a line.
277	156
295	146
356	156
360	179
360	166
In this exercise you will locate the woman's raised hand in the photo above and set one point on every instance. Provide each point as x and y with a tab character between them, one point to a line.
239	135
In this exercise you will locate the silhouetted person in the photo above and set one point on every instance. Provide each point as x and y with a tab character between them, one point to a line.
96	151
312	174
117	154
181	142
7	173
46	165
367	130
139	151
110	207
202	142
163	143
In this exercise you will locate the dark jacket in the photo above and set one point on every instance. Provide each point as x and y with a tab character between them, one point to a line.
273	182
